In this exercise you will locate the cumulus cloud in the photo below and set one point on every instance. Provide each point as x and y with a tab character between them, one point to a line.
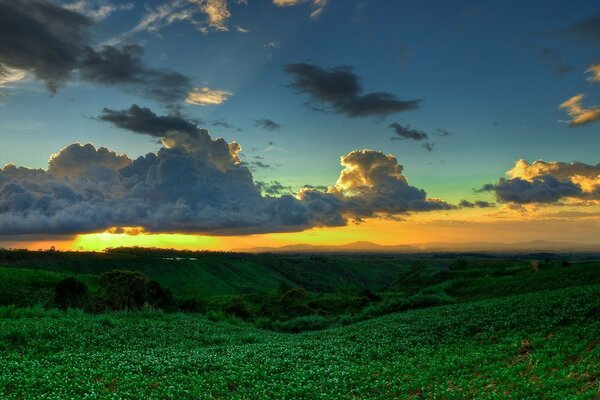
267	124
193	183
580	114
207	97
53	43
340	89
547	182
373	183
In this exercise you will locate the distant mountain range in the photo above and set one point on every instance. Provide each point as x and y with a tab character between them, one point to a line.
369	247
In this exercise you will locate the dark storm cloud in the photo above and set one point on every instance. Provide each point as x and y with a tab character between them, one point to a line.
124	66
194	183
340	89
143	120
54	45
267	124
42	38
586	29
547	182
544	189
406	132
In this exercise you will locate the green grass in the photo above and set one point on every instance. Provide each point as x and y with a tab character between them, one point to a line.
541	345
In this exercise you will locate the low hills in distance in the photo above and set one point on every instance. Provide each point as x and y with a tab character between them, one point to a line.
369	247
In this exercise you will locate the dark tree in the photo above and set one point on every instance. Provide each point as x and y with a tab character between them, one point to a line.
70	293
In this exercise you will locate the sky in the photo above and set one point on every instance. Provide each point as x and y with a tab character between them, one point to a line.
230	124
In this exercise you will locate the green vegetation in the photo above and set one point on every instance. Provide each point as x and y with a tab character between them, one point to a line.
118	326
540	345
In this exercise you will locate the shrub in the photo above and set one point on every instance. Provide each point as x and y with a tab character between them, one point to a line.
237	307
130	290
70	293
302	324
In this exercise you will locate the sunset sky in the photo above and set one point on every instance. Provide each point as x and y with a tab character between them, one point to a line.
228	124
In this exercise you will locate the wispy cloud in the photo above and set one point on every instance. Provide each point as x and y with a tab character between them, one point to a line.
97	9
580	114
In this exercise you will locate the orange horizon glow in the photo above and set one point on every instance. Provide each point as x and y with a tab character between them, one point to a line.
500	224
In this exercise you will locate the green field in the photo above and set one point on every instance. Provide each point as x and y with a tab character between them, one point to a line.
436	327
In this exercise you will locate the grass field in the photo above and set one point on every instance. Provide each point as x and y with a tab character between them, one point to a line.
304	327
536	346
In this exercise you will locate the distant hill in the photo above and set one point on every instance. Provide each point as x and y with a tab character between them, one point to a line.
364	246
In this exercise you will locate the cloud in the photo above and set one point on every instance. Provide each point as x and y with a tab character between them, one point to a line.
547	182
594	71
586	29
9	75
552	58
40	37
267	124
341	90
579	114
124	67
222	123
317	5
274	188
373	183
164	15
428	146
143	120
53	44
407	133
97	9
475	204
194	184
207	97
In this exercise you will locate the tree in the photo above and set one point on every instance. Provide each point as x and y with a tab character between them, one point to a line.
130	290
237	307
70	293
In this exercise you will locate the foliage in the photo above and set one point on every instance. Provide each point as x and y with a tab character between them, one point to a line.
531	346
70	293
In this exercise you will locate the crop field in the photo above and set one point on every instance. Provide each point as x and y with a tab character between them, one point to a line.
541	345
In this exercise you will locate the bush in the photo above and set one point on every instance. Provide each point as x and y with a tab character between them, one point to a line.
302	324
192	306
237	307
70	293
130	290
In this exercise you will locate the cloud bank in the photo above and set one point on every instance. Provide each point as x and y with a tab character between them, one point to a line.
194	184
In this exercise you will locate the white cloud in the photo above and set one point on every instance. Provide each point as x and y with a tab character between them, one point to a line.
9	75
97	9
